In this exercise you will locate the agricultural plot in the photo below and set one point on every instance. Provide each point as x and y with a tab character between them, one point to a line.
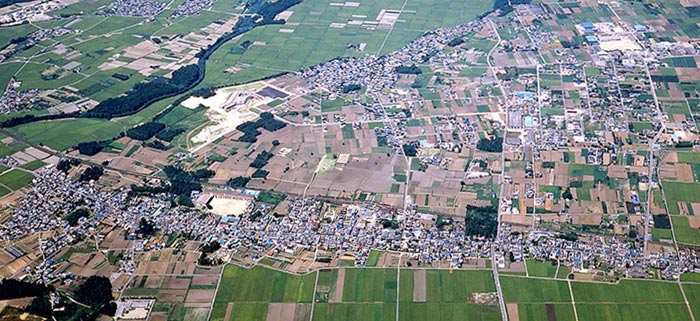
692	292
356	294
319	30
684	233
15	179
622	312
542	269
366	285
248	294
455	286
627	291
524	290
549	311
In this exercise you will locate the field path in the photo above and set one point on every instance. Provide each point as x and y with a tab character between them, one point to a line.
313	299
573	303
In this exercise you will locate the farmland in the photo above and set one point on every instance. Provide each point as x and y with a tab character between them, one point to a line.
313	34
371	294
16	179
354	294
627	300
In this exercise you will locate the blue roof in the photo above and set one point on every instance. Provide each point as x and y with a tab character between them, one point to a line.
592	39
640	27
587	24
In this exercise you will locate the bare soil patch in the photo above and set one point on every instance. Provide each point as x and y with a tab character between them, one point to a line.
419	291
303	312
173	282
229	308
512	309
337	295
281	311
205	280
195	295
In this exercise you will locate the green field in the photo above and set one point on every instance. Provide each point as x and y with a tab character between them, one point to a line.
264	285
16	179
537	312
448	312
373	258
33	165
354	311
367	294
253	289
313	41
637	312
455	286
371	294
692	292
63	134
627	291
523	290
684	233
543	269
370	285
681	192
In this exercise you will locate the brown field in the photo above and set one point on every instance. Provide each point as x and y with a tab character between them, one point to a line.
337	292
229	309
208	271
171	295
281	311
159	316
152	268
419	290
154	282
684	172
513	311
200	296
173	282
694	220
205	280
197	314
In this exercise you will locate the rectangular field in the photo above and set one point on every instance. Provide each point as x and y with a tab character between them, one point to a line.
523	290
16	179
627	291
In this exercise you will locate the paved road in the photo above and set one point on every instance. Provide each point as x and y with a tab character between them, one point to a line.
494	265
